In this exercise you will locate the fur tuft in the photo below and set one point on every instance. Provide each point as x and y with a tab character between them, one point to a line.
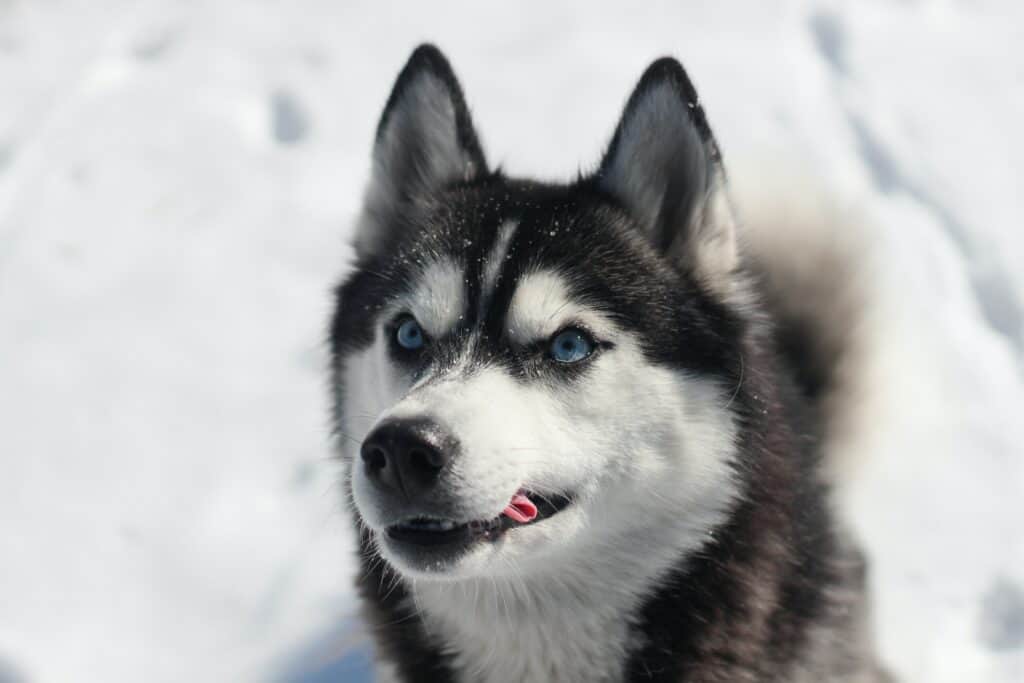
812	258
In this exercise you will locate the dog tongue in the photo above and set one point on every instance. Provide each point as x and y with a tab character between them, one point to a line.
520	508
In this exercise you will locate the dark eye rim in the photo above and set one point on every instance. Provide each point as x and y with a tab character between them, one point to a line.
596	345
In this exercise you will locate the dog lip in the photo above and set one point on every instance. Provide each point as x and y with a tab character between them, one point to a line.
547	506
439	531
424	536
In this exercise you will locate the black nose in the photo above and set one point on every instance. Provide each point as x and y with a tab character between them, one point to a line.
407	456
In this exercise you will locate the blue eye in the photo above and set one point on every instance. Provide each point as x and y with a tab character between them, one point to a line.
571	345
410	335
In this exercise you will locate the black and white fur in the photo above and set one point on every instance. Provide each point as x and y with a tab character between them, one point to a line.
698	543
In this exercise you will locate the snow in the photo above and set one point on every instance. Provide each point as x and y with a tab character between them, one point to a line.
176	183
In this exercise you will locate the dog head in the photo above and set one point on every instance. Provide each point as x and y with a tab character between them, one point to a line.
525	373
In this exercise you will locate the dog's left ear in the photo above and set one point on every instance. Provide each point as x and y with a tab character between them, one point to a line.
664	166
425	141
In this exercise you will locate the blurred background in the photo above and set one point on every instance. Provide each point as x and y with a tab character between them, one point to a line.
177	182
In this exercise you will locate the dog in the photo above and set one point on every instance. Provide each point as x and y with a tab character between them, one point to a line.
582	426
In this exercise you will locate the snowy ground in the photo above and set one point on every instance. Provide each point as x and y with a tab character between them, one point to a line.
176	182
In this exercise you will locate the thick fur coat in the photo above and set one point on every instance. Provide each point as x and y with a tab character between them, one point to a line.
615	352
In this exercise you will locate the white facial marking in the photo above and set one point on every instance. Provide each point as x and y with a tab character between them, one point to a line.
644	449
542	305
372	385
438	298
495	261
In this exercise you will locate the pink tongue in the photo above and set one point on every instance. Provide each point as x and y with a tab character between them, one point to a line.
520	509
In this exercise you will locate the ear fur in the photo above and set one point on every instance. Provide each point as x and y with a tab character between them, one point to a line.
425	141
664	166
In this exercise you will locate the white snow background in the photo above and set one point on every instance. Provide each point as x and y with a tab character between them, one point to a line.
177	180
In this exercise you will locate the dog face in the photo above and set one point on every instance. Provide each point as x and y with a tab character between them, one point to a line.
526	374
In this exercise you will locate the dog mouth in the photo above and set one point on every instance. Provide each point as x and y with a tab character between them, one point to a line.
524	509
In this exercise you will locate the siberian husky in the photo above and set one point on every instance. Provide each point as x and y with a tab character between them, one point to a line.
582	424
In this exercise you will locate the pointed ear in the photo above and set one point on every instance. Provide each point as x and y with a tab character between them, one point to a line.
664	166
425	141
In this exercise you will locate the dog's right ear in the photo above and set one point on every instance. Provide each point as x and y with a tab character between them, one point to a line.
425	141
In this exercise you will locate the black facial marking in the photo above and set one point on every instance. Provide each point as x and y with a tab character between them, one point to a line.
574	231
